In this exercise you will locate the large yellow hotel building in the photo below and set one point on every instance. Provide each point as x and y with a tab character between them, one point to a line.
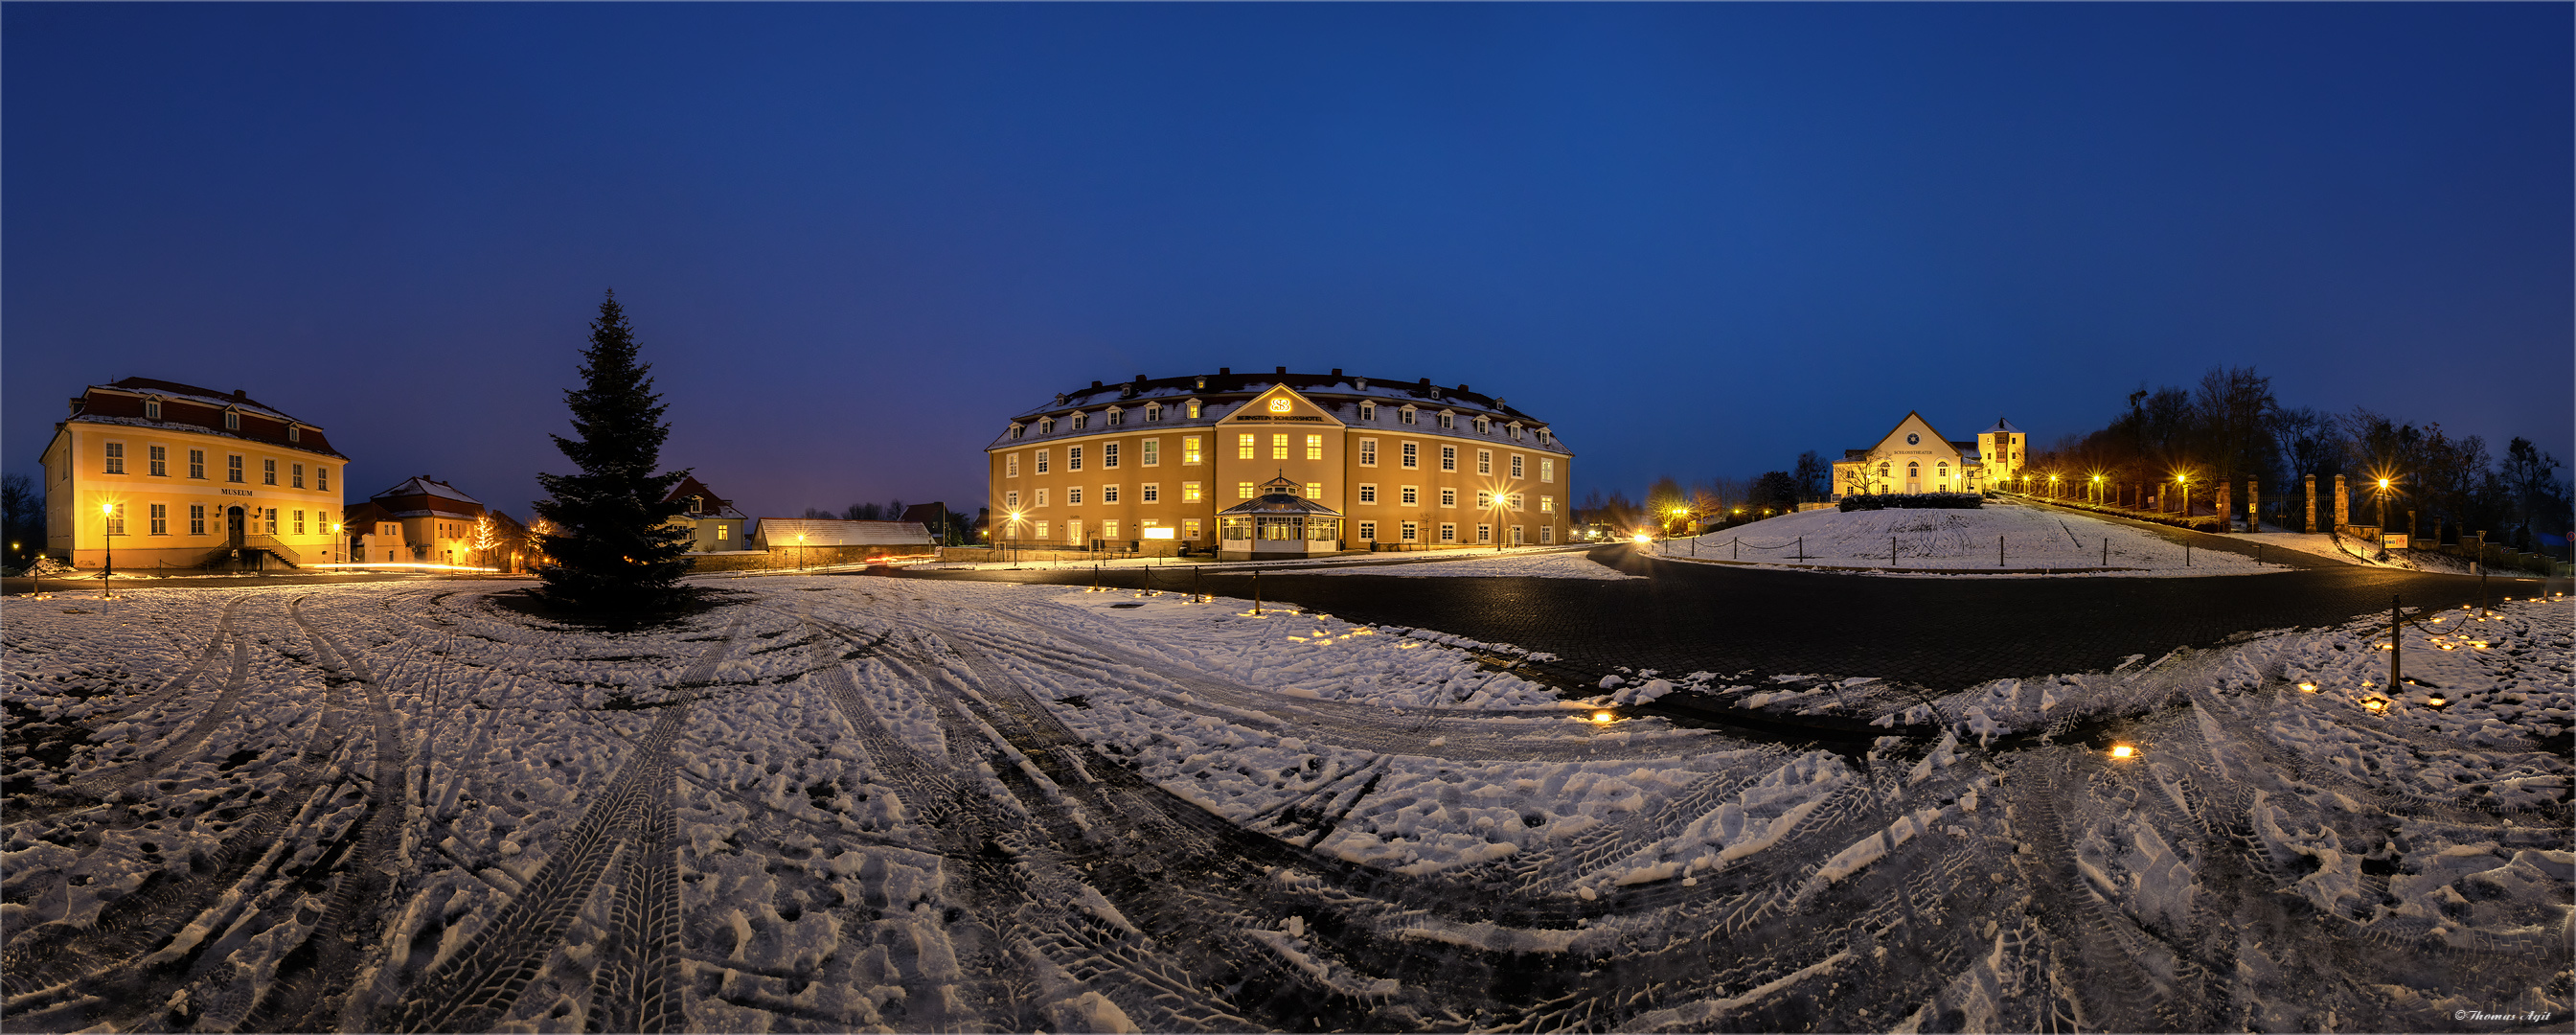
1278	464
169	475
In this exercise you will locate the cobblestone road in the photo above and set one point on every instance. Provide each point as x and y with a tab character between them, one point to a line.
1938	632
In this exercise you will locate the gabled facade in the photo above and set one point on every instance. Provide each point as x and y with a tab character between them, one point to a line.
712	521
1147	464
176	476
420	521
1913	458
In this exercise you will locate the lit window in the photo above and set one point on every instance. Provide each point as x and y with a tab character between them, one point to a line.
1011	466
1189	528
1194	409
1368	494
1243	447
1448	497
1152	449
1410	495
116	519
1410	456
1368	531
1042	529
1073	530
268	472
1041	497
723	533
1042	461
1547	504
115	458
1314	447
1190	449
161	518
1109	529
1516	465
197	464
1368	452
233	468
196	519
1108	454
270	519
1448	458
299	522
1190	492
159	459
1151	493
1073	496
1314	490
1243	490
1484	461
1279	447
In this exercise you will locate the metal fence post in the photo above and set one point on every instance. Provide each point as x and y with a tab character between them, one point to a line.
2395	647
1256	592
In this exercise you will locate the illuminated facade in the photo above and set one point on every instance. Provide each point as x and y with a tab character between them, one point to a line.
1915	458
176	476
1147	464
421	521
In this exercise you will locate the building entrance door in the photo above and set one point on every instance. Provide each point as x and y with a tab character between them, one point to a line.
233	525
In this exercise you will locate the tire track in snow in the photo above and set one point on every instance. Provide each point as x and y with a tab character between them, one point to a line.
473	989
187	743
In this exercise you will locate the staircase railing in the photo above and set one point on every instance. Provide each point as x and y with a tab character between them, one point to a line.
269	543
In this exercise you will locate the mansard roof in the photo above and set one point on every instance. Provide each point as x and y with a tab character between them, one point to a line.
186	407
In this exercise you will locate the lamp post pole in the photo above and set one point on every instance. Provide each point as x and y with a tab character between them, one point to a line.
800	551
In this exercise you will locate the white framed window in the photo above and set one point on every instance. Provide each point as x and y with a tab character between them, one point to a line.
1016	430
1150	492
115	515
321	478
295	476
1448	458
1189	528
1243	490
1516	432
115	458
151	409
197	464
1517	465
1368	411
1190	450
1190	492
1153	412
1516	501
1245	447
1448	421
1409	533
160	518
1410	495
1109	529
1368	531
1011	500
1518	536
1046	425
1448	497
1073	496
1108	494
1108	454
1314	490
1546	534
1073	458
1042	461
158	460
268	472
1314	447
1042	529
1011	466
1368	452
1368	492
1546	469
232	420
1448	533
1073	530
1484	426
294	433
299	523
1151	451
1117	417
1484	533
1547	504
1409	456
1041	496
1484	461
1194	409
1484	499
196	519
1080	419
270	519
233	468
1405	415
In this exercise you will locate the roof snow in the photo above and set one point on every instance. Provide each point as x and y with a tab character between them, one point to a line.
2002	427
424	485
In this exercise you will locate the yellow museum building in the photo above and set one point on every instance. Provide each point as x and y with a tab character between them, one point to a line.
175	476
1277	465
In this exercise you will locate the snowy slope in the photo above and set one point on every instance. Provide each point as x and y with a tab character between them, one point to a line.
1962	540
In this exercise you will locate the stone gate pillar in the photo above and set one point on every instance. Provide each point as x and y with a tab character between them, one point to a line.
2342	505
2253	505
2226	517
2311	524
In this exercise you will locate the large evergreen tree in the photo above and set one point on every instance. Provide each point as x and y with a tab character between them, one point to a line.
612	546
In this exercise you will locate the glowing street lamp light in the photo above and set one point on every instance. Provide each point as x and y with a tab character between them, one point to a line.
107	534
800	551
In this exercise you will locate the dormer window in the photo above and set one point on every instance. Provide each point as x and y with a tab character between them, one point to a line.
151	409
1545	438
1046	425
1194	404
1406	416
1516	431
1201	385
1153	412
1016	430
1360	383
1448	421
1079	419
1117	416
1368	411
232	420
294	434
1484	427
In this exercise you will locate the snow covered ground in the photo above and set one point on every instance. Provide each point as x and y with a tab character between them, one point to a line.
1363	560
865	804
1962	540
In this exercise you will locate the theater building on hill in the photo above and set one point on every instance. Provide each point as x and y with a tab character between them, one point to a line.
176	476
1148	465
1913	458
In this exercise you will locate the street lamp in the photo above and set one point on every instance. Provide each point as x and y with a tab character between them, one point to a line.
2097	490
2184	480
107	534
800	551
2052	485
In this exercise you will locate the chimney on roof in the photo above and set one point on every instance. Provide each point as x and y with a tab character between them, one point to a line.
1462	386
1222	371
1095	384
239	394
1283	370
1426	382
1337	371
1140	379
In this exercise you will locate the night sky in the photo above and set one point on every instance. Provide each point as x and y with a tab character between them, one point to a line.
1696	239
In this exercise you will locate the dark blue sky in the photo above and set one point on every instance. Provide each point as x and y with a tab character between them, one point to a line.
1697	239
